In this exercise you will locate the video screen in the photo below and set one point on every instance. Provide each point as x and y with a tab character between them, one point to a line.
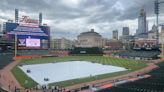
32	42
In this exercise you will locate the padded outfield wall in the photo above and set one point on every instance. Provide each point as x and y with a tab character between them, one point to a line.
87	51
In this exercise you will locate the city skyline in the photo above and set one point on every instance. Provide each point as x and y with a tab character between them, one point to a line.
68	18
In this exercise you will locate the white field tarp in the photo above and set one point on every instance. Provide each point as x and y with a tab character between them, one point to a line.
62	71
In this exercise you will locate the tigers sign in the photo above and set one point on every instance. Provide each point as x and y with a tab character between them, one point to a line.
26	19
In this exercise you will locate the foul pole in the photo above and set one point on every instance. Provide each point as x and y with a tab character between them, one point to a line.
15	54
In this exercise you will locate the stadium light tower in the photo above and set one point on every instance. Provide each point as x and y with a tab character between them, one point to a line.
40	18
16	15
162	41
156	11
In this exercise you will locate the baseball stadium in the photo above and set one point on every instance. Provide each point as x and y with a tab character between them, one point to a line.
28	64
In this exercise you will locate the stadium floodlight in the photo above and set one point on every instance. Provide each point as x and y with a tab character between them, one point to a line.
156	11
156	6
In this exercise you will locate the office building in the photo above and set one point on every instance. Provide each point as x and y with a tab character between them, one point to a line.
142	23
115	34
89	39
61	43
125	31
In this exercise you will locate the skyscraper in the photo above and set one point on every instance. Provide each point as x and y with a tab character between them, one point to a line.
142	23
115	34
125	31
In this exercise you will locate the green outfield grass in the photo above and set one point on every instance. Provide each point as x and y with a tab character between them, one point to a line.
132	65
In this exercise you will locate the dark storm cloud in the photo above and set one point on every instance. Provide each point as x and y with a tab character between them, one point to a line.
133	11
28	5
88	12
54	9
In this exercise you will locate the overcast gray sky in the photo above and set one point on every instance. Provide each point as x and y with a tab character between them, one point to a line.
68	18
